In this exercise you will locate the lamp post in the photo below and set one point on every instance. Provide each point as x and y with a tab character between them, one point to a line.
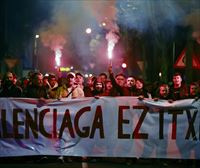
37	36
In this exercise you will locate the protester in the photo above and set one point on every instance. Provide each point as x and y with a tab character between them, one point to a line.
69	89
36	88
9	87
130	84
194	91
178	90
72	87
108	88
79	80
119	88
139	88
98	87
53	86
89	86
103	77
163	92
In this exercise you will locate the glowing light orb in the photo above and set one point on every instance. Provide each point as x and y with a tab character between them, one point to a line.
86	75
124	65
103	24
88	30
37	36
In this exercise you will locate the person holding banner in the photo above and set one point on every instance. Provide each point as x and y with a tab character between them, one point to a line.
79	80
119	88
69	89
159	145
178	90
53	86
88	88
194	91
9	87
140	90
108	87
36	89
130	84
163	93
98	87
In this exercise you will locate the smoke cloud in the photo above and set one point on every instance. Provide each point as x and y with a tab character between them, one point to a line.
70	18
104	12
193	20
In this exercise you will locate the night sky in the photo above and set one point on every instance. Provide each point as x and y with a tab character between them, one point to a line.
154	32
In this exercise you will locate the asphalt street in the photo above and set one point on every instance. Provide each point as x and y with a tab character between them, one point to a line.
52	162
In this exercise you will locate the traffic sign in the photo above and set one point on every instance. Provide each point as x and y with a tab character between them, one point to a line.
181	61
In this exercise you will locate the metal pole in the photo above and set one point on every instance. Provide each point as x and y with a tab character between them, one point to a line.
174	50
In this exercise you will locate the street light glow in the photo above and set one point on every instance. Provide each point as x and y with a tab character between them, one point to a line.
103	24
37	36
124	65
88	30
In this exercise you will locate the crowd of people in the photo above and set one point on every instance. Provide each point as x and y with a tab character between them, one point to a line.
73	85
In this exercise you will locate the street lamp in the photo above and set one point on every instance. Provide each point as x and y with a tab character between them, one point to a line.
37	36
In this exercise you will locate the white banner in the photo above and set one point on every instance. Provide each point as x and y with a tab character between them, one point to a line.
109	127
